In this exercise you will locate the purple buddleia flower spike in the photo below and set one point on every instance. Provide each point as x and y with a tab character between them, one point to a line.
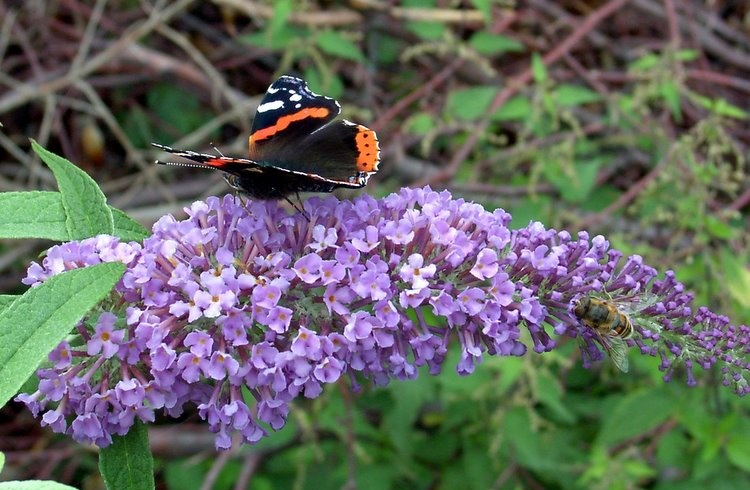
246	299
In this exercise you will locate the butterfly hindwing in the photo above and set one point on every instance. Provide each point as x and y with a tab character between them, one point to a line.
340	151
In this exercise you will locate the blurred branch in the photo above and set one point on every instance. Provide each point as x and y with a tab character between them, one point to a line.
342	17
50	83
416	14
330	18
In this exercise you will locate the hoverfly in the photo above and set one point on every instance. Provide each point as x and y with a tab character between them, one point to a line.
610	325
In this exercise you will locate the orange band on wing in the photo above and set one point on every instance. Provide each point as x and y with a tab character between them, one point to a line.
368	149
217	162
284	122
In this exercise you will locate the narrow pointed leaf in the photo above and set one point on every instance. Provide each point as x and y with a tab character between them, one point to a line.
34	485
40	214
127	464
40	318
126	228
35	214
86	210
6	300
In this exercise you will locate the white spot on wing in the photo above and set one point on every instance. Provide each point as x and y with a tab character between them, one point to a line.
295	98
271	106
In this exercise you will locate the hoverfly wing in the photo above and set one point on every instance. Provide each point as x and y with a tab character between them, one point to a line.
618	352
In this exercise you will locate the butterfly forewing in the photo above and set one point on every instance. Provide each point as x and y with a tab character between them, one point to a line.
288	113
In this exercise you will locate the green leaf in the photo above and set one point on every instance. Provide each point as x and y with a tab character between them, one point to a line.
532	209
471	103
510	370
638	469
521	436
282	9
738	444
405	410
389	49
139	127
642	410
40	318
128	464
185	474
671	450
328	84
40	214
719	106
718	228
476	463
381	476
575	95
420	123
86	210
538	69
599	198
34	214
549	392
440	448
178	107
737	278
7	299
280	39
670	91
494	44
429	31
646	62
34	485
575	185
687	55
484	6
126	228
333	43
724	108
516	108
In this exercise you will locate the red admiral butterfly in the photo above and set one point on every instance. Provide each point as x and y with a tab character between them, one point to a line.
295	146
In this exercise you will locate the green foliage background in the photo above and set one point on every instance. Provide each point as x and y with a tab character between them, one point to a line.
636	130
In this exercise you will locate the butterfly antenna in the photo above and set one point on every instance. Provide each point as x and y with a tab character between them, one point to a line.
217	150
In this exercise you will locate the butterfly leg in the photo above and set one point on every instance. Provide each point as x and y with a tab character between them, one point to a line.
244	200
294	205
